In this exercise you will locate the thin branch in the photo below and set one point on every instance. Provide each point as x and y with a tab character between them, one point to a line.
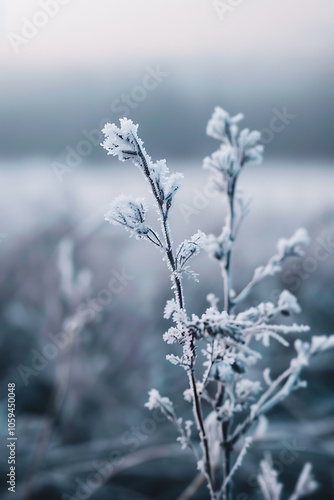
226	268
256	279
227	280
203	437
180	300
237	463
166	231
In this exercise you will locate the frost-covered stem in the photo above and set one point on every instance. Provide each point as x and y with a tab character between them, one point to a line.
246	291
226	268
236	465
202	434
180	300
226	486
171	259
226	273
165	228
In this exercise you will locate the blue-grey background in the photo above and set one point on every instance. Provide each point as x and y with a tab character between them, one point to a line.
78	71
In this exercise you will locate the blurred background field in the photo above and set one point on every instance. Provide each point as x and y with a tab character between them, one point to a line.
86	405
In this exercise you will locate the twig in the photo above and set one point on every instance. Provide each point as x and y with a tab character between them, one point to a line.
180	300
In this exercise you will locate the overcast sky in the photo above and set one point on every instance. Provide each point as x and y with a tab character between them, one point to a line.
86	32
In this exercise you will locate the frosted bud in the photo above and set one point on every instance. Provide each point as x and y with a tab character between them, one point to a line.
294	246
288	303
221	125
130	213
122	142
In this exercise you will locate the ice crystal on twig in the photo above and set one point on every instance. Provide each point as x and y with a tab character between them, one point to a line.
188	249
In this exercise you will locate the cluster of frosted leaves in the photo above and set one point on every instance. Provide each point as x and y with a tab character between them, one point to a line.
222	126
272	489
187	249
252	322
237	149
166	184
129	213
181	334
223	364
229	367
124	143
230	331
228	354
162	403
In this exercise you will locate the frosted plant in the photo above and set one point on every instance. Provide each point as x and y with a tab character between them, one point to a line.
228	406
271	488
